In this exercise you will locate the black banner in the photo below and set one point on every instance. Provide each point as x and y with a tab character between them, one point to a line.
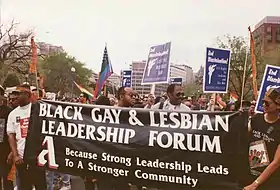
154	148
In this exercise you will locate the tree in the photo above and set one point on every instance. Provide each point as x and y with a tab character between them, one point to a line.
11	81
193	89
58	75
239	49
15	52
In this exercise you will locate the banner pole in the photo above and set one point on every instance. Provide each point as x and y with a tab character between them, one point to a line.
37	83
214	103
153	89
243	81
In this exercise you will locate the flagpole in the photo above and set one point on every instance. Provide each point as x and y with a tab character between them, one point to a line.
243	81
37	83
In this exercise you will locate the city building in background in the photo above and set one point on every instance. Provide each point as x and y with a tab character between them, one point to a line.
182	71
115	80
48	49
267	34
138	68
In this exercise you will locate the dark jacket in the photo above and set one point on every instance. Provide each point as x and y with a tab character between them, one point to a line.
4	144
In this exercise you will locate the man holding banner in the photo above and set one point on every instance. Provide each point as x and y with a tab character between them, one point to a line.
264	151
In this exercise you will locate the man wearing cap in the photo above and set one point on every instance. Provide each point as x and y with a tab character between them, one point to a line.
17	128
264	151
4	145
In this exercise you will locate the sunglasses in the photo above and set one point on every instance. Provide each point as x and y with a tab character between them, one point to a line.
180	94
266	103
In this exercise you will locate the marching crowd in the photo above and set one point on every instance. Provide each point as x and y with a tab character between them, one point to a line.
15	110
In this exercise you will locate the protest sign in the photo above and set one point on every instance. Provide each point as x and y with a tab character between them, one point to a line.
271	79
216	70
176	80
126	78
154	148
157	69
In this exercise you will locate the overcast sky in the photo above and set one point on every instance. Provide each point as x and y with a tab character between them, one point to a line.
130	27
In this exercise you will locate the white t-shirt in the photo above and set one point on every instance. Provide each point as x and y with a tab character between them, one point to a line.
18	122
168	106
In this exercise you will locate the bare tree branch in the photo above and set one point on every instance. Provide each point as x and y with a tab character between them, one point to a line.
15	50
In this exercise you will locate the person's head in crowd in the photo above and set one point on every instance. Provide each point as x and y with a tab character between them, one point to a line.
230	107
103	100
202	99
271	101
83	98
187	101
126	97
35	95
151	99
252	108
13	99
246	105
138	102
24	95
135	97
145	99
112	101
175	94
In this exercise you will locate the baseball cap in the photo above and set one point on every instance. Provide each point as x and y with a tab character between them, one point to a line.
23	88
273	94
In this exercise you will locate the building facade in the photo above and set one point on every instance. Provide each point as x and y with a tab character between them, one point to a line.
115	79
183	71
48	49
267	34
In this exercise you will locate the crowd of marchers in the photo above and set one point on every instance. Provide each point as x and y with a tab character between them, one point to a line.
15	109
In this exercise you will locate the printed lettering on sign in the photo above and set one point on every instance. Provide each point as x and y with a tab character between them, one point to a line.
24	122
138	146
258	156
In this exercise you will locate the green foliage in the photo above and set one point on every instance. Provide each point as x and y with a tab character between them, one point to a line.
58	75
11	81
193	89
239	47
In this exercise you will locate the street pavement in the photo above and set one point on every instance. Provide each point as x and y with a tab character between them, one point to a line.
77	183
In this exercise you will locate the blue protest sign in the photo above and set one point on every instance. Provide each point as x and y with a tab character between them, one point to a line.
126	78
176	80
157	68
271	79
216	71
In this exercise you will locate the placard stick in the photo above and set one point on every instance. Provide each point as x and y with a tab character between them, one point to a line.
243	81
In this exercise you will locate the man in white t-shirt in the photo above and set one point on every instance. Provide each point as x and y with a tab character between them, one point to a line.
17	128
175	95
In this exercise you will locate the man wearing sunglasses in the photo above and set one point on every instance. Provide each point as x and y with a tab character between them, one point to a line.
13	100
174	102
264	151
